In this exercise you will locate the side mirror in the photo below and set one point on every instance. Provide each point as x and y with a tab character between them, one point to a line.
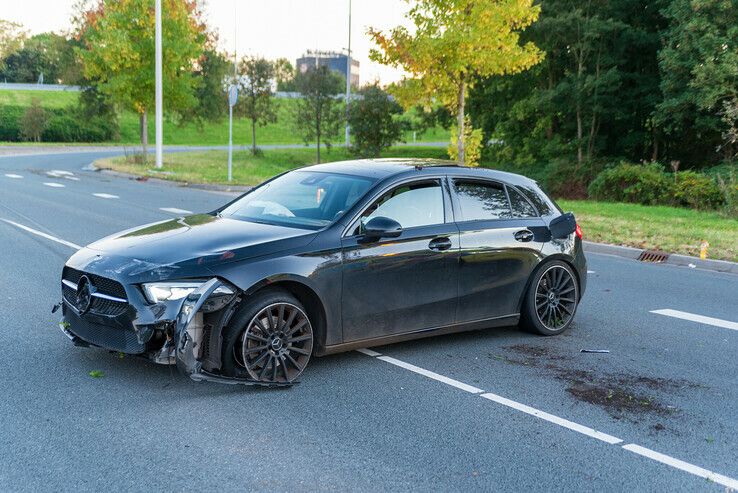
382	227
563	226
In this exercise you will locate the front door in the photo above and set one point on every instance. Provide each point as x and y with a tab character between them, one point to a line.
405	284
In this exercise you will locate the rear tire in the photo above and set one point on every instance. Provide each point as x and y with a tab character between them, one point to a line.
269	340
551	301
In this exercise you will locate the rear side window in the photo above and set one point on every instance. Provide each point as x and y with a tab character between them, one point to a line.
535	195
482	201
520	206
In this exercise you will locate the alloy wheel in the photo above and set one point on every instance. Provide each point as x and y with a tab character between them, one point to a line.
556	297
276	345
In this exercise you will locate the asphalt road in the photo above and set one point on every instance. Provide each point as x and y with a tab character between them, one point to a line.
489	410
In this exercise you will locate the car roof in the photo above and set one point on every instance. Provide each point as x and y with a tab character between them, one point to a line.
381	169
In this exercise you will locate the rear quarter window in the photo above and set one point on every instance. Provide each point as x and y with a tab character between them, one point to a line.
538	199
520	206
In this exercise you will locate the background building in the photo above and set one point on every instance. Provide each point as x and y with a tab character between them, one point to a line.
331	59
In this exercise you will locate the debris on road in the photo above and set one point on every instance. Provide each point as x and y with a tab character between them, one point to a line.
96	374
594	351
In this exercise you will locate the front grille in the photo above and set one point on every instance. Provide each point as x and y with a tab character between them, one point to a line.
106	336
103	285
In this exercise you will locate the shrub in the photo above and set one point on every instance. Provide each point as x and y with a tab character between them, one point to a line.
728	184
33	122
62	125
697	191
641	184
565	179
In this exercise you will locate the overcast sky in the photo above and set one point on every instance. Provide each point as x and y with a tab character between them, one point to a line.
270	28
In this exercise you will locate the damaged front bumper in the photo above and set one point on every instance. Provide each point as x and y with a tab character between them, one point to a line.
187	334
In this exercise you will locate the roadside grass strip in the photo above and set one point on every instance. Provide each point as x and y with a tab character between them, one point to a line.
692	317
726	481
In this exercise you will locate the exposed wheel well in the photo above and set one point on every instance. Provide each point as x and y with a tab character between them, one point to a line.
311	302
543	263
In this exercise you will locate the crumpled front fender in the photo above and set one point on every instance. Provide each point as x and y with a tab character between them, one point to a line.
188	335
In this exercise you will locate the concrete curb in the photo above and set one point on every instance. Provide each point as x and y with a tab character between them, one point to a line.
674	258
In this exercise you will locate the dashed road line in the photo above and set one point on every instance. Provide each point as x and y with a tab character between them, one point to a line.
692	317
106	196
584	430
13	175
73	178
42	234
53	184
432	375
592	433
174	210
684	466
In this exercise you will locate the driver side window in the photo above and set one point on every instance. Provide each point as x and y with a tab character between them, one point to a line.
411	205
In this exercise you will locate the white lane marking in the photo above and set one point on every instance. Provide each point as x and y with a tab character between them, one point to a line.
684	466
369	352
73	178
697	318
53	184
430	374
105	196
62	172
174	210
12	175
552	419
42	234
590	272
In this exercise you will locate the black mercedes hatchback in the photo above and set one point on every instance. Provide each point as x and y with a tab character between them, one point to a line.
329	258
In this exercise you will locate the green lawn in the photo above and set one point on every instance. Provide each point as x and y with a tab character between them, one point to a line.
281	132
671	229
212	166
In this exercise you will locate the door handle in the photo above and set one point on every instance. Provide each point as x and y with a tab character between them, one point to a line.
440	244
524	235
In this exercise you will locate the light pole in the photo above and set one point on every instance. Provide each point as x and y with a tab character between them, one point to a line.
159	99
348	81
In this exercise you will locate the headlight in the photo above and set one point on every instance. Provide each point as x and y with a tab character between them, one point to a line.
157	292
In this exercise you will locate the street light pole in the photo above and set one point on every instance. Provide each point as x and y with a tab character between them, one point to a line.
159	99
348	80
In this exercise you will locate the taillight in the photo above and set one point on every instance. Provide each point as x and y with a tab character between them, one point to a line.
578	231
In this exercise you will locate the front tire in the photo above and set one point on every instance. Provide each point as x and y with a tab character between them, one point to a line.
269	340
551	301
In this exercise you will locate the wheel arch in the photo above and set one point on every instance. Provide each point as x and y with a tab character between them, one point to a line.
542	264
306	295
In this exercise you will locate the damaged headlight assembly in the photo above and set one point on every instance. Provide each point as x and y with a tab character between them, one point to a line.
158	292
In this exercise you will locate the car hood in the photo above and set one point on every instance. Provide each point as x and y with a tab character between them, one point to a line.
204	239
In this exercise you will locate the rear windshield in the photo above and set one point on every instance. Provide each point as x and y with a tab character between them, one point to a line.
302	199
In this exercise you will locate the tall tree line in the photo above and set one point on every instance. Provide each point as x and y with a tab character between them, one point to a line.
632	79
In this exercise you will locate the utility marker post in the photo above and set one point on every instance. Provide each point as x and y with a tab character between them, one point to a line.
232	100
348	81
159	98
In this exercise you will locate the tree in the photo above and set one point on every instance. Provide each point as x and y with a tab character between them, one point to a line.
594	92
49	54
319	114
699	72
284	74
210	74
12	36
373	123
33	121
119	54
454	41
256	101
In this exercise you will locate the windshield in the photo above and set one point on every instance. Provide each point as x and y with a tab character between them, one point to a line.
302	199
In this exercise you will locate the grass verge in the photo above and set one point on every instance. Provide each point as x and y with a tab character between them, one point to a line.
212	166
209	133
671	229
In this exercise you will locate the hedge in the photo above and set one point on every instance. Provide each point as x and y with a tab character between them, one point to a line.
64	125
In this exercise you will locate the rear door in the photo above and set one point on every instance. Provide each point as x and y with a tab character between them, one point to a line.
500	245
404	284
